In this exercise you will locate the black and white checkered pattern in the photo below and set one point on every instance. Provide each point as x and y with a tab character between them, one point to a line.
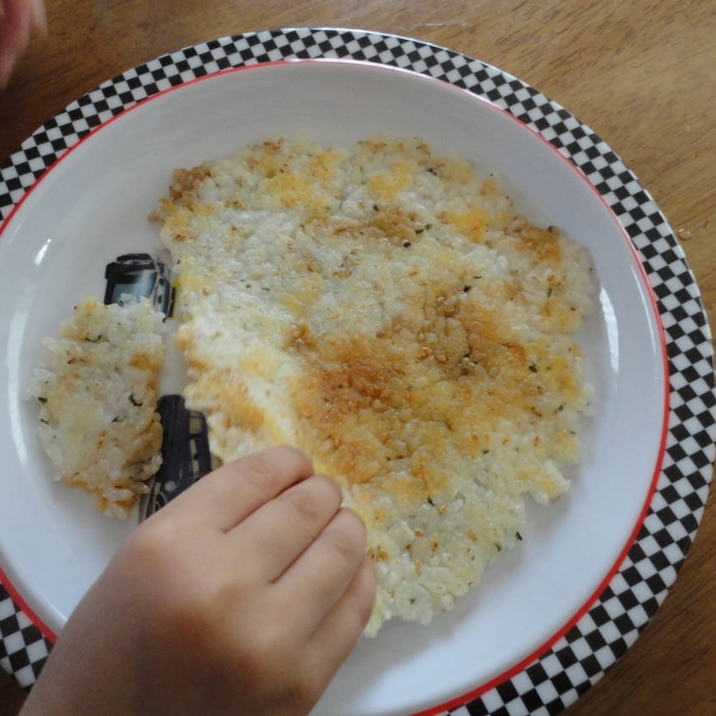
23	649
579	658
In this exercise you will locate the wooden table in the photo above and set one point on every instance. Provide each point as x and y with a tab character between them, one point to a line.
642	74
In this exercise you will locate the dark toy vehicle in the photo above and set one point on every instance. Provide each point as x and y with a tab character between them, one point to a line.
185	453
139	276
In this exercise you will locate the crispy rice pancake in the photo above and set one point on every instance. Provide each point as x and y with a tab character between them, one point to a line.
384	309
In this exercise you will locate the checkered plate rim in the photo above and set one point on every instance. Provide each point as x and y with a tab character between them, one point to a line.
556	678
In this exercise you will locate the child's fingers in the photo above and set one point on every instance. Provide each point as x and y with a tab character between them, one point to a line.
322	654
227	496
342	627
275	535
323	573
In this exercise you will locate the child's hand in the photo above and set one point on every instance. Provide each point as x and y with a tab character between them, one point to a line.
18	18
242	596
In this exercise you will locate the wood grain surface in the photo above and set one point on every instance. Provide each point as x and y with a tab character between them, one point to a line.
641	73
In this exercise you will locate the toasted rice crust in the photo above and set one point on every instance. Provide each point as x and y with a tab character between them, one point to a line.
385	309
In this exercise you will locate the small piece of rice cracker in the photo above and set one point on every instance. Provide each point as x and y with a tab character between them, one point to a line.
97	388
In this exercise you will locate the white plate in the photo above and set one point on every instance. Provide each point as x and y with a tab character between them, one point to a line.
92	205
